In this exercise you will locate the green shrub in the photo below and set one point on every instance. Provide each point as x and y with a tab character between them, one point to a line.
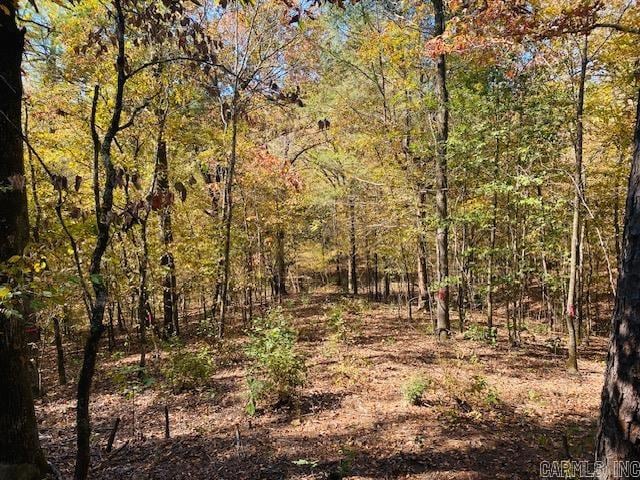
481	333
336	323
344	320
481	388
413	391
355	306
276	370
131	379
186	370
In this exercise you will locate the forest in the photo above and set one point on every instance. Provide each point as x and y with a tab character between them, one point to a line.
319	239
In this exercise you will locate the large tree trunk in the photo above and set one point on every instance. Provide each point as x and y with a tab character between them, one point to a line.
442	135
619	426
20	452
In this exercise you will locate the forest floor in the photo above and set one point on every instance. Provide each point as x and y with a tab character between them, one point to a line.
490	412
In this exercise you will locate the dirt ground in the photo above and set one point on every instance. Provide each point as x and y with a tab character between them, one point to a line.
490	412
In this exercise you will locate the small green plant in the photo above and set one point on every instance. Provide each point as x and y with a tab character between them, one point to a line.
207	328
480	387
303	462
355	306
534	396
336	323
347	457
187	370
131	379
413	391
481	334
343	320
276	369
117	355
478	384
305	300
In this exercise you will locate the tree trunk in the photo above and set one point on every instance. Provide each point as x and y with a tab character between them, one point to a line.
376	278
616	216
20	452
442	136
227	218
387	285
143	310
62	375
423	275
353	266
572	344
492	242
169	287
619	426
103	209
281	265
34	185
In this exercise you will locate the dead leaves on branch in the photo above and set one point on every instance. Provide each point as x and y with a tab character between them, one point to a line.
497	25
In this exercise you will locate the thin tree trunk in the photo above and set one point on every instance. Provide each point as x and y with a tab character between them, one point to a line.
110	334
492	242
572	344
423	274
353	266
376	278
281	265
387	285
103	213
62	375
143	309
544	286
227	218
442	136
167	261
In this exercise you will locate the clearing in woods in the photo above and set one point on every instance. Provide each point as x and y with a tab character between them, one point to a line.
487	411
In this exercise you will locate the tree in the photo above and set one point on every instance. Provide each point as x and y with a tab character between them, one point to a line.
442	136
20	452
572	360
619	425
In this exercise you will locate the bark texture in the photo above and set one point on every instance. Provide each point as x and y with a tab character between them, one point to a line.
20	452
442	136
618	436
